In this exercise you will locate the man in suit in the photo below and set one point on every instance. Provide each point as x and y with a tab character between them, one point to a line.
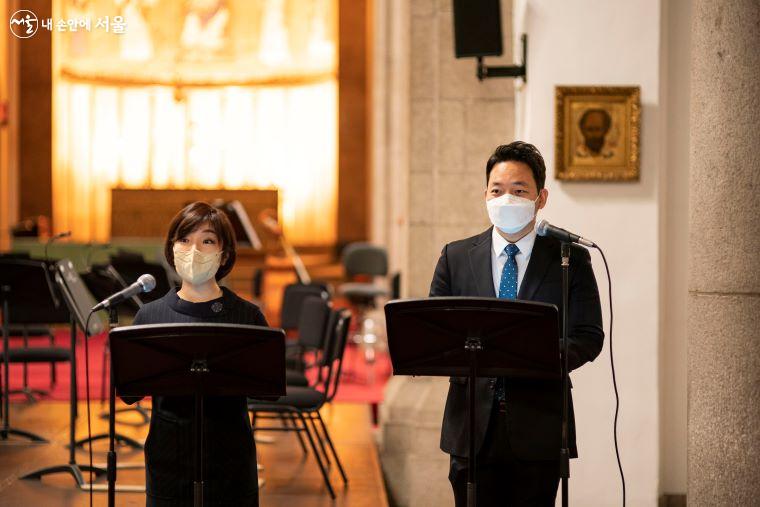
518	422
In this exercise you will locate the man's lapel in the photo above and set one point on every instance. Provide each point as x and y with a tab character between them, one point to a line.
540	259
480	264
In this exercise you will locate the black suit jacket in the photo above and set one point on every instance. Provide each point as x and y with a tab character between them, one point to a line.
534	407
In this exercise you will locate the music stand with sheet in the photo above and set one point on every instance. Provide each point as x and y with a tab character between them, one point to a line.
473	337
196	360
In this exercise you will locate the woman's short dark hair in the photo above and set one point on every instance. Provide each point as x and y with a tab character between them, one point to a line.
189	219
519	151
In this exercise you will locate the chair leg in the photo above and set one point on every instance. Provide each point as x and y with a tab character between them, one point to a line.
322	468
319	438
287	420
332	447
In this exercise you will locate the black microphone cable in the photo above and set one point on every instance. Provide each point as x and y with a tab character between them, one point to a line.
614	379
87	391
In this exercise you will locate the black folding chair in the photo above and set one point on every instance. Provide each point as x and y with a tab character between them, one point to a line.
301	405
312	329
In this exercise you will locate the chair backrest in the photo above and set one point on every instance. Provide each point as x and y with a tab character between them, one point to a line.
334	354
292	301
313	322
365	259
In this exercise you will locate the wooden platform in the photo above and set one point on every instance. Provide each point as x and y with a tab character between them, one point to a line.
290	479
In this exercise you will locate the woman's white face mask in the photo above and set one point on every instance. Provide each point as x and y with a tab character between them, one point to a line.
196	267
511	213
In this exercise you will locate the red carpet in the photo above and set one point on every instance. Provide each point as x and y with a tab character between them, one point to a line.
360	382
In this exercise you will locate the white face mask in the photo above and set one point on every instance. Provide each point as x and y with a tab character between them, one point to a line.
195	267
511	213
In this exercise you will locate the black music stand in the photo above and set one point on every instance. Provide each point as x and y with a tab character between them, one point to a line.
473	337
194	360
28	295
79	300
75	295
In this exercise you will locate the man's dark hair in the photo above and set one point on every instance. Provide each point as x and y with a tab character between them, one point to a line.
193	216
519	151
603	112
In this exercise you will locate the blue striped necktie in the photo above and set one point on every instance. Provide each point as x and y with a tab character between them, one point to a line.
507	290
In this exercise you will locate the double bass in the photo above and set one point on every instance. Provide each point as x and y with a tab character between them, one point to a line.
268	220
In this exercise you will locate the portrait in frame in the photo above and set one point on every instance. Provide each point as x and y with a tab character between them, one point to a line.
597	133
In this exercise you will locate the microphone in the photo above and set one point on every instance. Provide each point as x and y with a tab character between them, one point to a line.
145	283
544	228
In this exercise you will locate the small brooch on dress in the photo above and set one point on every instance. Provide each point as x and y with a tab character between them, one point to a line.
216	307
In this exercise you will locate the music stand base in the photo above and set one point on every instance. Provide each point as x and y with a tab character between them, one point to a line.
121	439
144	413
5	432
30	393
74	470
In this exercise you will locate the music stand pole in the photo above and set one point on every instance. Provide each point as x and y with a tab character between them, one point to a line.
564	454
198	472
472	346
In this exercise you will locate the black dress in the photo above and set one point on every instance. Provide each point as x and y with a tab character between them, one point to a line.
229	472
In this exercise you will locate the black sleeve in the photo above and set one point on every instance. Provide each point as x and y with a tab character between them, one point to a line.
441	284
585	332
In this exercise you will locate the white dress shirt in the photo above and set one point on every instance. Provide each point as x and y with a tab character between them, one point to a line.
499	257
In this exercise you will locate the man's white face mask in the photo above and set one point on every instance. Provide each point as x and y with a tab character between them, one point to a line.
510	213
195	267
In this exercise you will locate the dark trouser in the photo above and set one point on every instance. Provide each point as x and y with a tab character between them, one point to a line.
503	479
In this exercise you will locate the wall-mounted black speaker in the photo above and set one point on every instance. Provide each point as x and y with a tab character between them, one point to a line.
477	28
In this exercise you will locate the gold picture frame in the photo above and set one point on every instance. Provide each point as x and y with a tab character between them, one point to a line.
597	133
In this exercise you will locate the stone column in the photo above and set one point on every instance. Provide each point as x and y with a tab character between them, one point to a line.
724	279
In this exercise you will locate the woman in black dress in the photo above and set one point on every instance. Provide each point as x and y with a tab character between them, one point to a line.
201	247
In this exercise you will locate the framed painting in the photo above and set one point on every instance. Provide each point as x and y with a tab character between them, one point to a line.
597	133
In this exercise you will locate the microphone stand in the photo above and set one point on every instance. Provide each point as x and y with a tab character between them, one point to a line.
564	454
111	465
137	407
